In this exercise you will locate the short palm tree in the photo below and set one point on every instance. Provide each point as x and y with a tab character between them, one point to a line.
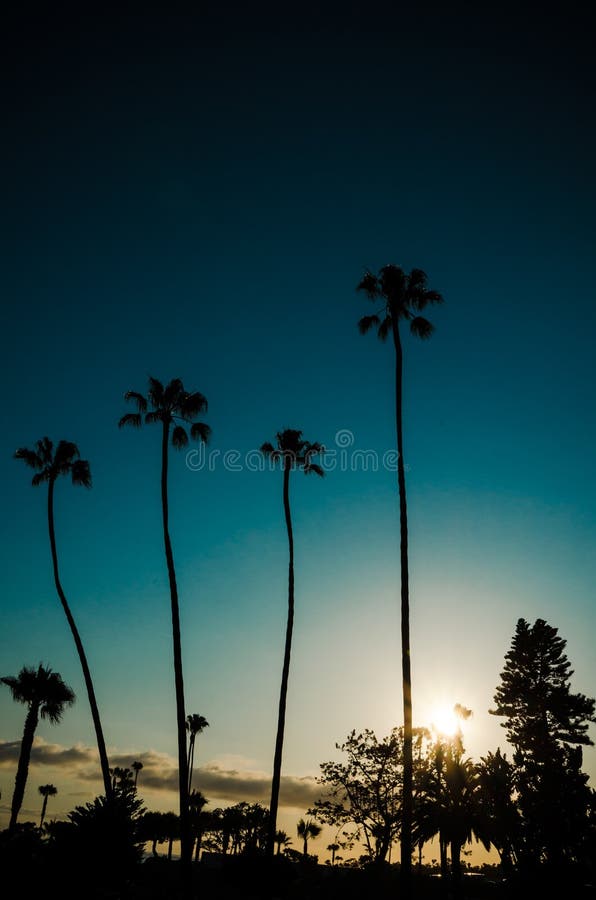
292	452
195	724
46	790
49	465
282	839
136	766
401	297
174	408
46	696
307	829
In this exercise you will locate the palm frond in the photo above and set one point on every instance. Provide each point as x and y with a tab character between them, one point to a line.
179	437
29	457
370	286
153	416
40	477
421	327
81	473
385	328
417	280
367	322
133	419
314	469
267	449
392	280
200	431
290	440
156	392
193	404
45	449
66	454
139	399
173	393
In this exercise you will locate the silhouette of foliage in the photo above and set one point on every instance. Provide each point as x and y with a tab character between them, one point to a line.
547	725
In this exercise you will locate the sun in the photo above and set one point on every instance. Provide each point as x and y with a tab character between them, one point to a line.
444	720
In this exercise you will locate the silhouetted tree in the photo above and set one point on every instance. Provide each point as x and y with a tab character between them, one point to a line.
104	839
137	766
496	781
152	827
307	829
365	790
195	724
198	821
282	839
401	297
174	408
448	804
547	725
46	696
292	452
49	466
46	790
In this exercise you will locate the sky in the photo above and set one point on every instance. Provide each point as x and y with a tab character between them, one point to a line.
196	194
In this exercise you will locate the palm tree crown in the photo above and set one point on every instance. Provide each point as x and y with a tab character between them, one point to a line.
171	405
42	689
294	452
49	464
402	296
46	695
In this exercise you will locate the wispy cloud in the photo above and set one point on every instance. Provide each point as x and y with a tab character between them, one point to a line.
228	780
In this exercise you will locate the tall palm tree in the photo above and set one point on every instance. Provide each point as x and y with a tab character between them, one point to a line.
46	790
46	696
49	465
307	829
293	453
174	408
401	297
195	724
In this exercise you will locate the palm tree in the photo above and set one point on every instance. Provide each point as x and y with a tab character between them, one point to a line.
293	453
307	829
333	848
195	724
137	765
174	408
49	466
46	790
282	839
401	298
46	696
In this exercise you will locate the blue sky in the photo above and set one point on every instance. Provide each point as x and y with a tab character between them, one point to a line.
198	199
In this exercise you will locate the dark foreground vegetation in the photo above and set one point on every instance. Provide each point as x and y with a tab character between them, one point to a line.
39	869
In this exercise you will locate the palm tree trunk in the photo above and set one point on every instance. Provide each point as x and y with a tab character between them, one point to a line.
20	782
185	837
43	810
407	800
101	745
281	718
191	759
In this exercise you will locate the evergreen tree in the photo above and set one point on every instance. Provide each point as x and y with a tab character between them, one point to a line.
547	725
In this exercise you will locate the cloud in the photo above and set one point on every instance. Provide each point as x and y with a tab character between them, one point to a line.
229	779
46	754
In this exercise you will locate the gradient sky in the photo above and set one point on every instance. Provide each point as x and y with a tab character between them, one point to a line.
197	196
